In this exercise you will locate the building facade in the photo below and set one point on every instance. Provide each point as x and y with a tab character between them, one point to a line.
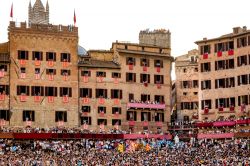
48	80
224	65
127	87
187	86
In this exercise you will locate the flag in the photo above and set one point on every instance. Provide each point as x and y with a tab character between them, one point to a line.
11	11
74	17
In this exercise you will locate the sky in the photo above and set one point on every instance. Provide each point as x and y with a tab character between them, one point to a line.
102	22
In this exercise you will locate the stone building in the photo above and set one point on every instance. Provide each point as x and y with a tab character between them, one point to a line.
224	74
128	86
43	74
187	86
38	14
158	37
48	80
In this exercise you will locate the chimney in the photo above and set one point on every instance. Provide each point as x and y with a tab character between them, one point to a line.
204	38
236	30
244	28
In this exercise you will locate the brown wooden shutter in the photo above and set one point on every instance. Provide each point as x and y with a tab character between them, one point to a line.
105	93
148	78
134	61
26	55
70	92
112	93
90	93
134	77
61	91
127	76
141	78
55	91
148	63
120	94
27	90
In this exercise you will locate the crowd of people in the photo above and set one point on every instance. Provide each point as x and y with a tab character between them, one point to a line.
125	152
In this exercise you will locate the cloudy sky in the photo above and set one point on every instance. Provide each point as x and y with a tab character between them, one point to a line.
102	22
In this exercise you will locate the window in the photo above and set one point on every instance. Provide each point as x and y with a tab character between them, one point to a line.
36	55
37	70
158	79
37	91
224	102
130	77
145	97
50	56
86	92
130	97
130	61
242	42
145	116
196	69
205	49
116	75
243	80
187	105
144	62
131	115
65	72
242	60
65	57
85	73
243	100
145	78
65	91
159	117
206	84
86	109
100	74
28	115
23	55
206	103
184	70
5	115
159	99
230	63
3	68
186	84
4	89
102	121
61	116
205	67
158	63
102	109
101	93
220	65
86	120
51	91
195	93
116	110
23	70
195	84
116	94
220	83
51	71
23	90
116	122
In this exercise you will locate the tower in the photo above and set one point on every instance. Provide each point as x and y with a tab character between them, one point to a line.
38	14
158	37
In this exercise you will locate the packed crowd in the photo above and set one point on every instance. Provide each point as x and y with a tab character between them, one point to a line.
29	129
125	152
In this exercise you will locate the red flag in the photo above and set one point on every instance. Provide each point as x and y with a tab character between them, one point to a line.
74	17
11	11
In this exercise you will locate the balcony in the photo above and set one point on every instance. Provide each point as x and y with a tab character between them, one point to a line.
230	52
37	98
85	79
50	63
23	98
65	99
85	100
224	123
22	62
37	63
146	106
215	136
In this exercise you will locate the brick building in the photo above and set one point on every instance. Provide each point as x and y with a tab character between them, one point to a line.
128	86
48	80
187	86
224	65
